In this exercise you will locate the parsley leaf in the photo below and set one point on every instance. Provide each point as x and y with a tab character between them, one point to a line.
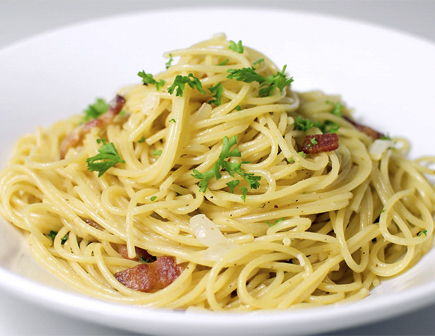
422	232
95	110
168	63
304	125
237	47
149	79
247	75
279	80
230	167
216	91
157	152
153	198
259	61
385	137
245	193
147	260
232	184
237	108
276	222
337	109
53	235
313	141
224	62
268	84
181	81
141	140
108	157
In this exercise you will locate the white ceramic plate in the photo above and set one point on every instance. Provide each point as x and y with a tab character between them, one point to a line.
385	75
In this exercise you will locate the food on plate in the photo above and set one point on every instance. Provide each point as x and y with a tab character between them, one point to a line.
213	185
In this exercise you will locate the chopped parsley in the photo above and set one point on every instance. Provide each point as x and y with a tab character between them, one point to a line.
246	75
224	62
95	110
385	137
147	260
279	80
230	167
337	110
244	192
180	83
53	235
259	61
276	222
232	184
422	232
153	198
157	152
108	157
313	141
304	125
168	63
173	120
268	84
237	108
149	79
216	91
141	140
237	47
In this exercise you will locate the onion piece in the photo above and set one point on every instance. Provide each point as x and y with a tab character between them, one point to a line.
378	147
207	233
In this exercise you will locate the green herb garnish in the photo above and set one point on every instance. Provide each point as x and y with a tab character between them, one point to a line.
237	47
168	63
276	222
216	91
224	62
181	81
149	79
108	157
230	167
422	232
95	110
232	184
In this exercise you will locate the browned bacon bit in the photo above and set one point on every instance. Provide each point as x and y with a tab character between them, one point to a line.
147	277
365	129
73	138
140	253
94	224
319	143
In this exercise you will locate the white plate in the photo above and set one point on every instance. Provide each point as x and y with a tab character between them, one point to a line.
385	75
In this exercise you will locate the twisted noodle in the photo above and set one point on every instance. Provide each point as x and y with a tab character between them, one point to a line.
339	221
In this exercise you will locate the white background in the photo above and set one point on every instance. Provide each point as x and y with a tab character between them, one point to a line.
20	19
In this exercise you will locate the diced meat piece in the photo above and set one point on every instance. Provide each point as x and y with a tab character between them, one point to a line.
365	129
320	143
73	138
147	277
94	224
140	253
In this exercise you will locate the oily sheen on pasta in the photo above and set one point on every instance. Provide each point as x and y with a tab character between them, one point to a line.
212	185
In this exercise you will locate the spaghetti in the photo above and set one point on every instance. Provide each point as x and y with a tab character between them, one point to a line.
210	186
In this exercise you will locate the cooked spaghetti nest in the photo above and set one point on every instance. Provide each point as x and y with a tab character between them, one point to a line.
317	229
